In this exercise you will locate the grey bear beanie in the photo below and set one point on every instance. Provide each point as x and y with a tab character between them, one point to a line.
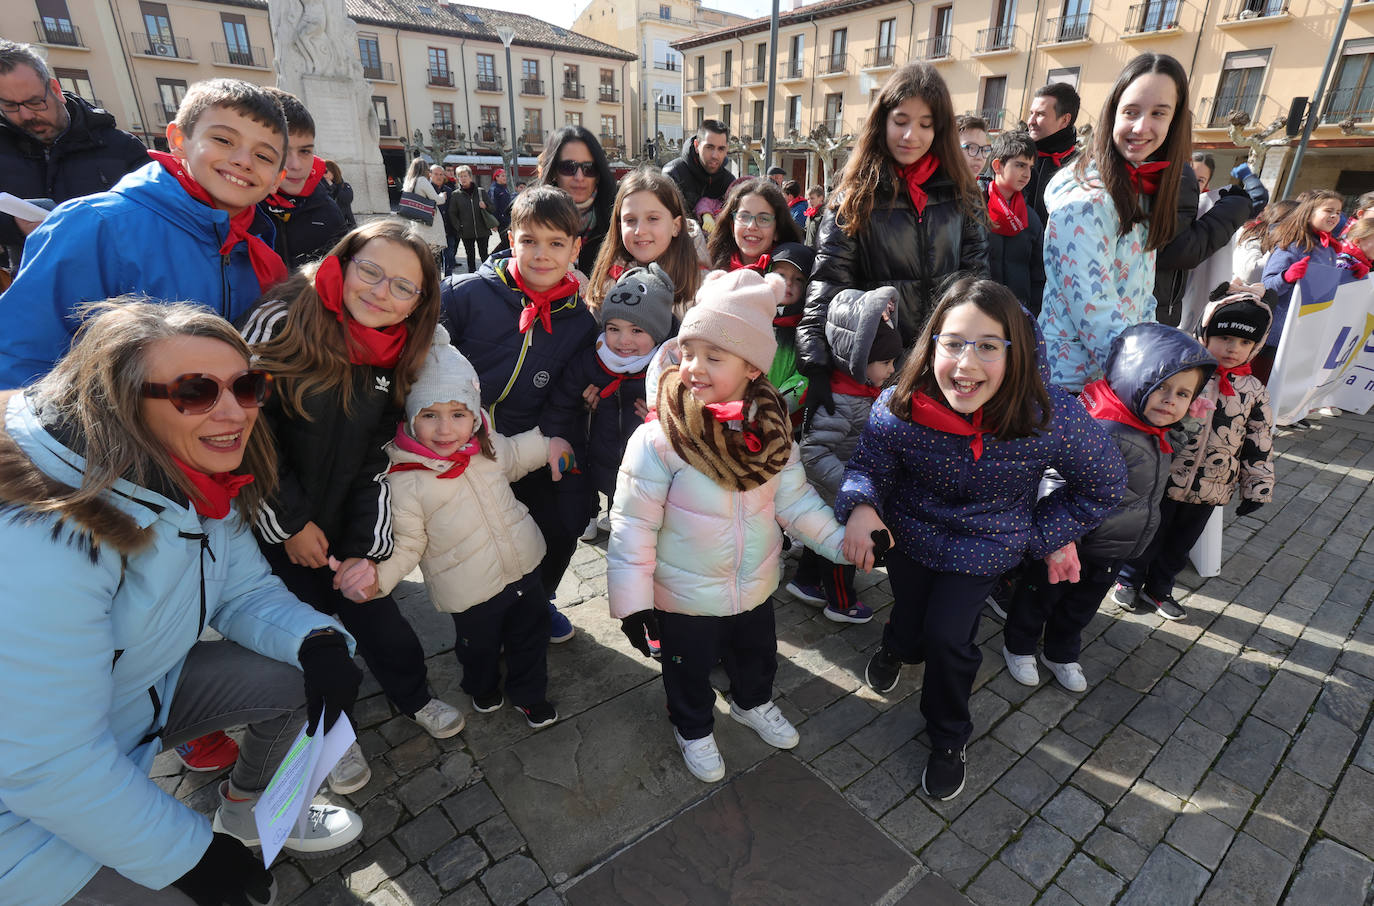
644	297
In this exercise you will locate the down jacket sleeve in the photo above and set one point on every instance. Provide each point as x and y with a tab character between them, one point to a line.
641	496
837	267
522	454
802	513
1256	452
409	536
825	433
1094	476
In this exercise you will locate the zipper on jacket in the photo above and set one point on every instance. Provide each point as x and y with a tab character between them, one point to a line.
204	540
224	287
737	504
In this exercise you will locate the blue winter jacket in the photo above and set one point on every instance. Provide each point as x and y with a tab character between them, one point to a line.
1280	261
145	236
101	604
951	513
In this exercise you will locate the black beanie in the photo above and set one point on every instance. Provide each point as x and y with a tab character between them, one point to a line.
887	344
1242	318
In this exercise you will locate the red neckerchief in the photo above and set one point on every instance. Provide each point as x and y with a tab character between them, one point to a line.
789	316
811	211
616	378
1145	178
460	457
761	265
787	320
615	271
926	411
1224	378
282	200
366	345
539	304
1057	157
1008	218
734	412
1360	263
842	383
1103	404
267	264
1324	238
915	175
213	492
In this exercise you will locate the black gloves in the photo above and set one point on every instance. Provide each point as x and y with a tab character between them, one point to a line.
331	679
229	874
634	627
818	392
1247	507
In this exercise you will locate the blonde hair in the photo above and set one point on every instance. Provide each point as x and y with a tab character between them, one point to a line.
463	169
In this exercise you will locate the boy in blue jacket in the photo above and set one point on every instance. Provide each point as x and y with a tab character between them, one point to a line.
185	226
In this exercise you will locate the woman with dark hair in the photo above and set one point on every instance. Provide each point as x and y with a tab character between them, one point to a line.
1109	214
574	161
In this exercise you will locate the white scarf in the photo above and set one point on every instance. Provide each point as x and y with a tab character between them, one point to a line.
622	364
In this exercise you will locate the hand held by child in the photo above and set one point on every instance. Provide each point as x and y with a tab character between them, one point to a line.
636	625
308	547
1297	270
355	578
858	547
558	449
1063	564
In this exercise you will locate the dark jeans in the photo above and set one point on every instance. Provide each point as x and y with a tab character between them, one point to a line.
561	510
746	644
1060	611
450	252
935	619
1180	525
516	620
385	640
473	261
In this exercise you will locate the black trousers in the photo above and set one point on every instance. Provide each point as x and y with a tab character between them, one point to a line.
836	579
1180	525
386	641
473	260
745	643
935	619
517	619
1059	611
561	510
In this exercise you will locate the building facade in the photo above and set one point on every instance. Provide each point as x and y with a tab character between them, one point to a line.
438	69
1254	56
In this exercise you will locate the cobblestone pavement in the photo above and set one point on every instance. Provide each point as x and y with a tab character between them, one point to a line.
1222	759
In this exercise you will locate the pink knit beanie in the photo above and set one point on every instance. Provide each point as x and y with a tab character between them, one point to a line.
734	311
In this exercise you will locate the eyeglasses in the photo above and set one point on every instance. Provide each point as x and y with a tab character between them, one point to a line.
401	289
570	167
194	394
988	349
763	220
34	105
973	149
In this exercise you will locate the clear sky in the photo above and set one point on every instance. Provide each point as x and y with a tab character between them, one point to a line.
564	13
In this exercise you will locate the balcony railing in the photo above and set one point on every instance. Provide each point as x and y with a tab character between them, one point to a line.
609	140
668	65
488	83
165	112
668	107
489	135
441	77
160	46
936	47
792	69
833	64
833	124
1355	102
1066	29
58	31
880	57
239	55
755	75
533	137
1245	10
387	128
610	94
997	38
443	132
1144	18
1216	112
655	17
753	131
573	91
697	85
725	79
533	87
380	72
993	117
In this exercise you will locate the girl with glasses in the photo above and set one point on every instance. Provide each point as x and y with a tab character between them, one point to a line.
343	341
574	161
755	219
947	468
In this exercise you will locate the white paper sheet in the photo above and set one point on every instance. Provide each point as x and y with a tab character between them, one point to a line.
18	207
286	801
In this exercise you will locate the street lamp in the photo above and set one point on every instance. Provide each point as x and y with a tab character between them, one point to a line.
507	34
658	99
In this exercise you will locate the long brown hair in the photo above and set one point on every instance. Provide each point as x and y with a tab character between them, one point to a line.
679	261
1177	150
310	353
97	389
1021	406
722	245
872	165
1296	229
1263	226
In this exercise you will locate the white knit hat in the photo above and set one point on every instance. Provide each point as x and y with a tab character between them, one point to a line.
734	311
446	376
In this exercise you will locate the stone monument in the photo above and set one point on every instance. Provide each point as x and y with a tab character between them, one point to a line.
317	60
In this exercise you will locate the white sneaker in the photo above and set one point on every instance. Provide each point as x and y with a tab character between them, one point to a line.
767	721
1022	667
1328	411
702	757
351	773
590	532
1070	676
327	828
440	719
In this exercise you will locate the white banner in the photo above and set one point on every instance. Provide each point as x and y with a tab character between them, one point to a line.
1326	356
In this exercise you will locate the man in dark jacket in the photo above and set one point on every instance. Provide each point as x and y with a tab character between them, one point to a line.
700	171
1053	112
498	202
443	184
1197	239
309	222
53	144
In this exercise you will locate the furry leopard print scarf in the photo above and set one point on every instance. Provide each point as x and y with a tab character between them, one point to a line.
737	460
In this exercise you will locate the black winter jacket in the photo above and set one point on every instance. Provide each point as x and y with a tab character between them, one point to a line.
691	177
465	213
610	425
910	252
331	468
1044	168
1197	239
1018	262
499	200
310	228
342	193
91	156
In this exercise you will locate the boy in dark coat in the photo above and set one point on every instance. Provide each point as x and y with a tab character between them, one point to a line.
1152	375
309	221
1016	236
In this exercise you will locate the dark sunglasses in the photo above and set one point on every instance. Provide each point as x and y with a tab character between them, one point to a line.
569	167
194	394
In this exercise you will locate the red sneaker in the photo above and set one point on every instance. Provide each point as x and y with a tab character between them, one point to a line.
209	754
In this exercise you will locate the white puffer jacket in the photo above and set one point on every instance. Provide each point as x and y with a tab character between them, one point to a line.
469	535
682	543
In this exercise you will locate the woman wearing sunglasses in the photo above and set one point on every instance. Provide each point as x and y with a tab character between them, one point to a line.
754	220
343	344
128	477
574	161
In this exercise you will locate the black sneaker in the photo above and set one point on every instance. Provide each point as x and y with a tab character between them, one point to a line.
943	777
882	671
1166	607
489	702
539	714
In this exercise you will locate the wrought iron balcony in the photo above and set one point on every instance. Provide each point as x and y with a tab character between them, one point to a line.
489	135
755	75
880	57
833	64
387	128
610	94
532	87
441	77
697	85
1066	29
488	83
792	69
1248	10
58	31
936	47
239	55
380	72
1146	18
996	39
160	46
573	91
